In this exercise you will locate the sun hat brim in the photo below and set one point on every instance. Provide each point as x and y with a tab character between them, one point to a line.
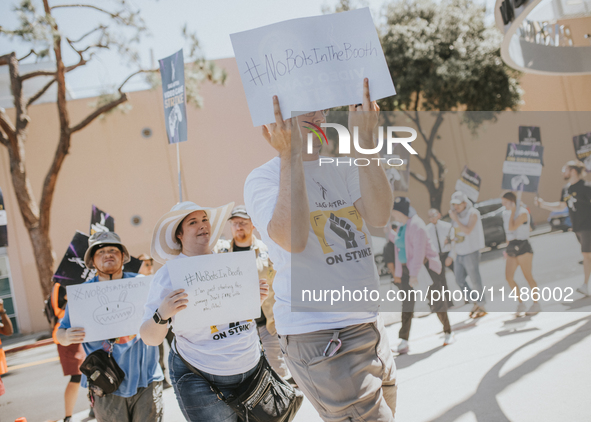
164	246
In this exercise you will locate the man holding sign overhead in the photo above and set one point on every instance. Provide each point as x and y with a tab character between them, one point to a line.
225	353
309	216
139	396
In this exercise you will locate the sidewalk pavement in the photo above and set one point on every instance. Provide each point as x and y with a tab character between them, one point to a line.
17	342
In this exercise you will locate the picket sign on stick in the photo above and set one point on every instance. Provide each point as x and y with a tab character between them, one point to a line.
582	145
172	72
108	309
469	183
222	288
311	64
523	167
518	203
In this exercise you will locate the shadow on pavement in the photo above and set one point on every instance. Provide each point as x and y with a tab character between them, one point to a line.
516	325
491	255
404	361
465	325
515	331
579	303
483	403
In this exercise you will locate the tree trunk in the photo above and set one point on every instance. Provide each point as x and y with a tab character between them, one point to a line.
434	184
436	196
44	257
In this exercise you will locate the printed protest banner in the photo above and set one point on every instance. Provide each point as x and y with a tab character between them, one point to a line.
582	145
399	175
109	309
222	288
522	167
530	135
3	223
100	221
469	183
172	72
72	269
311	64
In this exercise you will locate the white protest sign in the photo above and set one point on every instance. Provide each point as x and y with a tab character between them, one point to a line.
311	64
108	309
222	288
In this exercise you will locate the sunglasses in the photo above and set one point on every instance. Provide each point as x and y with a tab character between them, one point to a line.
311	114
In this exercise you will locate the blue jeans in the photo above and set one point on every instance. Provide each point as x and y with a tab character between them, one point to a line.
194	395
469	265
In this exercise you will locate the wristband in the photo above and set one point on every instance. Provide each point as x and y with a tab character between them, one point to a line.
158	318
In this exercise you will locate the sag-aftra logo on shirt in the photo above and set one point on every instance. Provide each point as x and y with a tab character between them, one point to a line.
345	231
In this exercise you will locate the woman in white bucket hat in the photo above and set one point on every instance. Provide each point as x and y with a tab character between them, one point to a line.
225	354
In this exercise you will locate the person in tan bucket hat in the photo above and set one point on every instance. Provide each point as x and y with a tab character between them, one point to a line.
225	354
100	240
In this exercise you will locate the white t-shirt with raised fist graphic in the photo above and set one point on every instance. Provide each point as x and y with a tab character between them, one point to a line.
338	255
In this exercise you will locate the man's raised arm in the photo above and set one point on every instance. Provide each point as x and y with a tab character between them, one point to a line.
289	225
376	199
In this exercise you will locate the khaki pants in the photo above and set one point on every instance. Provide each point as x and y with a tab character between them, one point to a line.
145	406
358	383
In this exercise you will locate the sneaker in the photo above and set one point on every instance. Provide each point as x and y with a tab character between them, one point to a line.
474	310
534	309
449	339
584	289
478	313
403	347
520	309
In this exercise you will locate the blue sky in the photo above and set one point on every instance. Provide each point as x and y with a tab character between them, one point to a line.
212	20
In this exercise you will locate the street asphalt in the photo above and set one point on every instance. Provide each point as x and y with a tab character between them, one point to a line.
501	368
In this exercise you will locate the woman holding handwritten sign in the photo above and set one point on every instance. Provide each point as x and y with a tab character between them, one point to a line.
225	354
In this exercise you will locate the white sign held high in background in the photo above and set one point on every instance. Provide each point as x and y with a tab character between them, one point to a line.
108	309
311	64
222	288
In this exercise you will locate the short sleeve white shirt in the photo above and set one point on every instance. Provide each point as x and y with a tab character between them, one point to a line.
332	191
522	232
469	243
226	349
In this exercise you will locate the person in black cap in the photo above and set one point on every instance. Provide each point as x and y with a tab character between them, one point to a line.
412	248
243	239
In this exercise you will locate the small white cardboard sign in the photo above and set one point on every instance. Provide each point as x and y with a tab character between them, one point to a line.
108	309
222	288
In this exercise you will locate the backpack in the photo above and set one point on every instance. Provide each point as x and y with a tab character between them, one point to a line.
56	299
